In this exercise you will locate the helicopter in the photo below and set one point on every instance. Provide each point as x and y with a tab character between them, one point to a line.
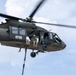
16	30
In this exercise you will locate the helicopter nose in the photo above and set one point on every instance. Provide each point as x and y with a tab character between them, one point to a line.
63	45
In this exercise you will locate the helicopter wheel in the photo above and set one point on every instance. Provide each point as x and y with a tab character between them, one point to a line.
33	54
45	47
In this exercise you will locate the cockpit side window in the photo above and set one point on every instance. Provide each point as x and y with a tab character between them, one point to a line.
51	36
46	35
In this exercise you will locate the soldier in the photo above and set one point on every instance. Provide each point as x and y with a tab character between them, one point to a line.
34	40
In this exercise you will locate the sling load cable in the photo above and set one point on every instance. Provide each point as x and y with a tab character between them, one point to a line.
24	61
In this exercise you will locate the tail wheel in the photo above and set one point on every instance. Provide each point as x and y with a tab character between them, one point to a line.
33	54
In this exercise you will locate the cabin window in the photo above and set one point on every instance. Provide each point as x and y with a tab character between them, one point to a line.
21	31
17	30
14	30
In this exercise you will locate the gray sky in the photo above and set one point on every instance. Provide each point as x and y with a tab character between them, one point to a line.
54	63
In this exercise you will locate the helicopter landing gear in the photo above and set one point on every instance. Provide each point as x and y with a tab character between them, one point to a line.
45	47
19	50
33	54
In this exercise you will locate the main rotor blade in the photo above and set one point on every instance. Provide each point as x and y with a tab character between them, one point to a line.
11	17
35	10
60	25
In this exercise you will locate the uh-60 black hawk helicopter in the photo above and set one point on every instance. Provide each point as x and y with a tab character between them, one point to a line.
14	33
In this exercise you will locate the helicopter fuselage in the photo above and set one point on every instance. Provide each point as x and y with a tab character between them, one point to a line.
14	34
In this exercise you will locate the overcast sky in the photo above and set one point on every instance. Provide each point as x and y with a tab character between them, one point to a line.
53	63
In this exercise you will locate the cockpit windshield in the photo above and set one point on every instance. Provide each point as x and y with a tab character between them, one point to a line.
53	35
56	38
